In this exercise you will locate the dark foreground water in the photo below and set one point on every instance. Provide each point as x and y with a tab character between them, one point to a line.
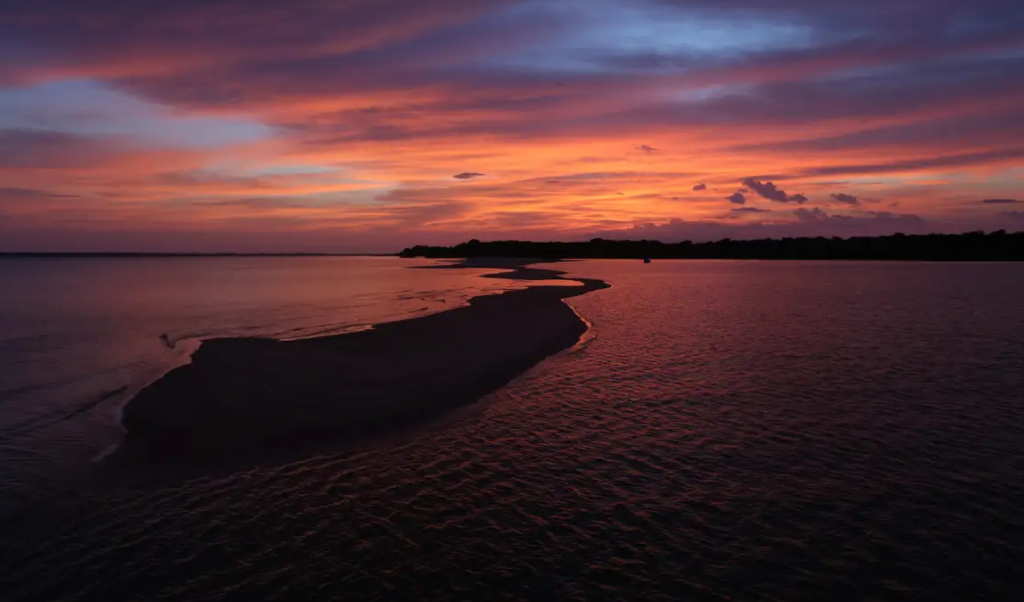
729	431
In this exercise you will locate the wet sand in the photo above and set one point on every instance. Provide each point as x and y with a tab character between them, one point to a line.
240	398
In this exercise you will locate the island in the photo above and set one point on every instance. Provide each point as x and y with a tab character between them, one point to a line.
970	246
242	398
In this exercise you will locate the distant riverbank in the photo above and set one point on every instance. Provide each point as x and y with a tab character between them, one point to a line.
971	246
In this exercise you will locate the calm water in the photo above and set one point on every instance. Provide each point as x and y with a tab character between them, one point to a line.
731	431
79	336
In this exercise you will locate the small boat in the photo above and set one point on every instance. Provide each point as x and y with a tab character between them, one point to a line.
647	260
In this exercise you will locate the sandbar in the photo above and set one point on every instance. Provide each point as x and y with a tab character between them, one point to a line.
241	397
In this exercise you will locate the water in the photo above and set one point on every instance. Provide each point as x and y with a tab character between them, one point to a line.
729	431
79	336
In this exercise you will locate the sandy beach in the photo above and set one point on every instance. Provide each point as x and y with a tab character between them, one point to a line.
241	397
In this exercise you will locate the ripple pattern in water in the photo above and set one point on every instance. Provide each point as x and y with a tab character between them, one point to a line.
79	336
731	431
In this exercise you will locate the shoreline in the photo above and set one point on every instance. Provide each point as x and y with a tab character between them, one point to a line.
243	398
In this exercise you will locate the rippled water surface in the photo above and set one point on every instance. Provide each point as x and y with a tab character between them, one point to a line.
728	431
79	336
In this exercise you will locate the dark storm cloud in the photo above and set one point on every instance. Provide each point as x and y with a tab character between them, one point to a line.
771	192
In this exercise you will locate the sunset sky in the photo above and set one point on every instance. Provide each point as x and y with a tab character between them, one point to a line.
370	125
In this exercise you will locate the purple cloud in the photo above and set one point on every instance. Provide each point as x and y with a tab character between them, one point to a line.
51	150
847	199
810	215
771	192
468	175
815	223
737	198
699	187
742	211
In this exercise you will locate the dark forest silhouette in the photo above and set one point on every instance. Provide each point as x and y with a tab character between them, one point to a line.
971	246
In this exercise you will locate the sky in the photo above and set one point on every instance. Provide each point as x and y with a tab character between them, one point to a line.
372	125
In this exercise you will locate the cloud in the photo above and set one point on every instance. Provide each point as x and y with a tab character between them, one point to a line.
1000	126
1001	156
1001	202
908	222
905	218
260	202
810	91
847	199
769	191
815	223
606	176
31	148
32	193
810	215
742	211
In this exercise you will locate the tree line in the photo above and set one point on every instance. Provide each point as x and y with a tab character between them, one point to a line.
970	246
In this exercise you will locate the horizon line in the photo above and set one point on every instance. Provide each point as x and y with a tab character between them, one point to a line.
399	252
183	254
